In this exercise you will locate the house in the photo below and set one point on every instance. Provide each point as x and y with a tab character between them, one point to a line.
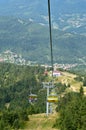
56	73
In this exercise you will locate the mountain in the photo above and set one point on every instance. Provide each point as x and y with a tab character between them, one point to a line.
66	14
24	29
36	8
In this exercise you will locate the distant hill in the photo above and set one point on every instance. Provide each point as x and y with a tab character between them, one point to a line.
32	41
40	7
24	29
66	14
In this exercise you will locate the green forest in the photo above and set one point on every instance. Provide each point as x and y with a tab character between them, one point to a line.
72	110
18	82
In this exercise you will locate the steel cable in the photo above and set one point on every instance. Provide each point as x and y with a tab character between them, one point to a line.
50	33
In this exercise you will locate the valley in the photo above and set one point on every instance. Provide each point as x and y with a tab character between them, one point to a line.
35	95
31	40
24	30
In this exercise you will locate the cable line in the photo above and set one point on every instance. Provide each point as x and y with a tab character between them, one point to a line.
50	33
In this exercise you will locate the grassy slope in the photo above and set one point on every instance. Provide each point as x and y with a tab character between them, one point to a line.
41	122
68	78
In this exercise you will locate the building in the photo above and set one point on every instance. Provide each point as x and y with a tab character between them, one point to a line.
56	73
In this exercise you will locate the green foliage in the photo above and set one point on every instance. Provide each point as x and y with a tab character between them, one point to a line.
13	119
16	124
78	78
61	87
1	124
81	91
16	83
72	110
23	115
41	101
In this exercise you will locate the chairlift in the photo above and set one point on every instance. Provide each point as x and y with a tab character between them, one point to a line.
52	98
32	98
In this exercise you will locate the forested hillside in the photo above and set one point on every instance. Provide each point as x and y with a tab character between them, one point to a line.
16	84
72	109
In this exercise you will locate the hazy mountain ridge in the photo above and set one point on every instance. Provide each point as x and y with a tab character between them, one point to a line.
67	15
32	41
24	29
62	6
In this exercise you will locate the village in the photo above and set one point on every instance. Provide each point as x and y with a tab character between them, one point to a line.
11	57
